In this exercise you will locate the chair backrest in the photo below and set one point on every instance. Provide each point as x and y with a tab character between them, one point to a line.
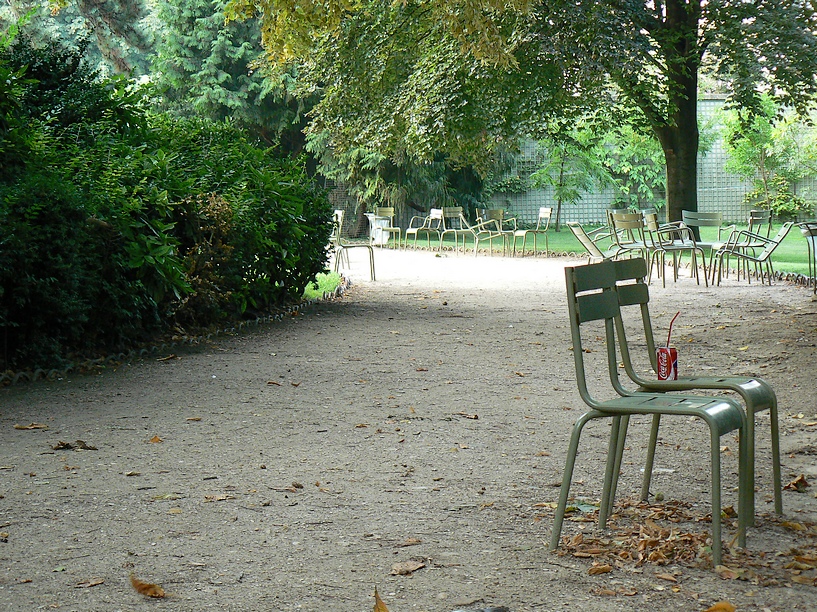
385	211
774	242
632	290
453	217
492	214
543	220
759	218
591	296
593	251
651	228
701	219
628	227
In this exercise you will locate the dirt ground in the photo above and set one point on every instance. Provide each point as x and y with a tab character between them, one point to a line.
408	436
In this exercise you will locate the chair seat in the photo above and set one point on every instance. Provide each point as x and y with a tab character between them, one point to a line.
724	413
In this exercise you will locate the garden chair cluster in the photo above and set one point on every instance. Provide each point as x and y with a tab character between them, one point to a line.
639	234
491	226
596	294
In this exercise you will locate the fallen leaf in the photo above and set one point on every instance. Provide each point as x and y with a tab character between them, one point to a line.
193	419
799	484
146	588
32	426
168	358
81	445
175	511
600	569
803	579
792	526
473	417
406	568
422	369
726	573
408	542
668	577
274	382
155	440
721	606
133	474
297	384
521	374
743	348
379	606
89	583
215	498
604	592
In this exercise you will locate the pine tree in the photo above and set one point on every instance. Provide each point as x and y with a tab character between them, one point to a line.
209	67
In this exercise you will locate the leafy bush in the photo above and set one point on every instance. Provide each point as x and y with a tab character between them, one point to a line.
119	225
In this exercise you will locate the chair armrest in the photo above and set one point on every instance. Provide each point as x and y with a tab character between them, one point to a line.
485	226
731	229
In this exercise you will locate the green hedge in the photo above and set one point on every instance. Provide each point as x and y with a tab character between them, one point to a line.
117	228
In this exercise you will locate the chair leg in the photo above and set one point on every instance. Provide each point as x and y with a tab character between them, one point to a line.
570	463
615	452
776	476
716	497
746	483
648	464
371	263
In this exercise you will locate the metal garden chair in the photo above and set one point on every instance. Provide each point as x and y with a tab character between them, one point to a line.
673	239
457	224
541	229
384	223
429	224
341	247
736	247
592	297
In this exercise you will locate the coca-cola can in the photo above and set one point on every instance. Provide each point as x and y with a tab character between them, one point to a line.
667	357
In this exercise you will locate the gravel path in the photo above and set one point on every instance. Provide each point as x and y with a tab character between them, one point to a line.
409	436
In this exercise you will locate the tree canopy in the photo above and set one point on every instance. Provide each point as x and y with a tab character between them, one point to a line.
421	77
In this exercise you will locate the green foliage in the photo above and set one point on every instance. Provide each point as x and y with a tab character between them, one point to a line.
61	88
121	31
774	150
210	68
123	223
463	79
636	165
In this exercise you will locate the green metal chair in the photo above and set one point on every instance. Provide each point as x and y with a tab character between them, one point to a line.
757	395
541	229
341	247
457	225
736	247
592	297
591	241
673	239
432	223
384	220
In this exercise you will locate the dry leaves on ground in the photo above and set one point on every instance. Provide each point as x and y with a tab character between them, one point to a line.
644	533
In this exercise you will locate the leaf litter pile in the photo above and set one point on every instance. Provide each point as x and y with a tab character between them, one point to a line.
641	534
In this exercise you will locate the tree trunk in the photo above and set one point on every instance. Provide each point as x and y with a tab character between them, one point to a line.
680	145
679	135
